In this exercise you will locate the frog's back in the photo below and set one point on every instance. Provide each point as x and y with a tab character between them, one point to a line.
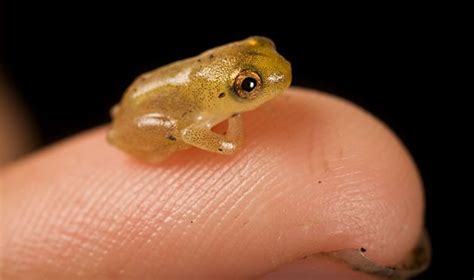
161	80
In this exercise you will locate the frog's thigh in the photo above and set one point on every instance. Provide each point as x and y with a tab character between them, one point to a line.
150	137
202	137
154	130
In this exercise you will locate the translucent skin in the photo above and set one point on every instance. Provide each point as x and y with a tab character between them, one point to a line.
175	106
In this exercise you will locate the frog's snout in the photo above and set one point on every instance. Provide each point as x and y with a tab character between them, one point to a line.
287	73
282	76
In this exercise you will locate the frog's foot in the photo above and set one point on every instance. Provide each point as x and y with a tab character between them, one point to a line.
202	137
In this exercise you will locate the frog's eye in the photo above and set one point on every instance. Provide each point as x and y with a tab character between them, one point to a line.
247	84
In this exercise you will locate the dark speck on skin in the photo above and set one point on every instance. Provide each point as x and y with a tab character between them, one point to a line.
319	182
211	56
362	249
220	150
172	138
222	94
187	112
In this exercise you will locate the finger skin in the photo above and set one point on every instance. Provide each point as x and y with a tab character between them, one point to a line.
16	132
315	174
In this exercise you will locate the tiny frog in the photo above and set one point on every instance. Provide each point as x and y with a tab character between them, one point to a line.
175	106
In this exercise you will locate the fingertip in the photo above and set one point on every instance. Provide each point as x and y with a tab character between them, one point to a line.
315	174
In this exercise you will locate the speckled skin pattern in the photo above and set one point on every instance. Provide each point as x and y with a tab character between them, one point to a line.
175	106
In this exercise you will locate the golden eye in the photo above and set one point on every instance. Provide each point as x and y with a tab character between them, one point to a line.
247	84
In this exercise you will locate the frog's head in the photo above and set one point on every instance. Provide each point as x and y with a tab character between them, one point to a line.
250	73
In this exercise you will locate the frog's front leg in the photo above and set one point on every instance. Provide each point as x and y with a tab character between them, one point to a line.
201	136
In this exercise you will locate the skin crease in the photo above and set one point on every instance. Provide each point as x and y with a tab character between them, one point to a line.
315	174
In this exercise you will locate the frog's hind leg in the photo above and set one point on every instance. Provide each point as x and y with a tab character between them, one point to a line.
150	138
146	150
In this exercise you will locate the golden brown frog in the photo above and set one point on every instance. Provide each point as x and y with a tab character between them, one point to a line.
175	106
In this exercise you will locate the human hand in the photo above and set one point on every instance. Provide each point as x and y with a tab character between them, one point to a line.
316	174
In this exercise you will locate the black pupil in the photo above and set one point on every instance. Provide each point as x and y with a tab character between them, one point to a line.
248	84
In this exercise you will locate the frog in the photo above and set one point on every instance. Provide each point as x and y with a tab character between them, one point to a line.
176	106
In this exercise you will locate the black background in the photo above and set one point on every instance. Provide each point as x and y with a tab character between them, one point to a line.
71	64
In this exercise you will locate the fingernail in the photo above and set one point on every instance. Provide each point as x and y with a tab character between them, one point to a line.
315	268
338	264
